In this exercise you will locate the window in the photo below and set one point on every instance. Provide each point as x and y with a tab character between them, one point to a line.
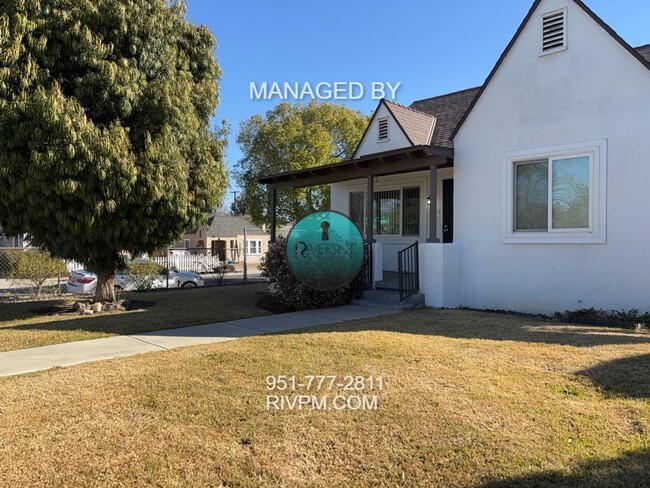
357	209
554	31
557	194
254	246
411	212
382	129
386	212
395	212
187	244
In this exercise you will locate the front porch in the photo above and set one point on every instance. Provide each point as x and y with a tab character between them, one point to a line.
396	198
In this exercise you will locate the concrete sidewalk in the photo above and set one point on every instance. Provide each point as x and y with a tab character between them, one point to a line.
68	354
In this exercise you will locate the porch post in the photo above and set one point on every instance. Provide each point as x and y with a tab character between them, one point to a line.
370	195
273	205
433	208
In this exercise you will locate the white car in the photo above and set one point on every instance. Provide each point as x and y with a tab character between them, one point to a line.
86	282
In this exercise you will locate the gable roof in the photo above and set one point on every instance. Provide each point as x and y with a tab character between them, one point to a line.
642	53
448	109
416	125
223	224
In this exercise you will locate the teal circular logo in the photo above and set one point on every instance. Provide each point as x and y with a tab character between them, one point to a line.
325	250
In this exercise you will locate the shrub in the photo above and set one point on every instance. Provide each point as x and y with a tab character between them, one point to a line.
8	261
143	273
611	318
275	267
221	271
36	266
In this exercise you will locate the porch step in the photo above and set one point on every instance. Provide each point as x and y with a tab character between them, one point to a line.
389	300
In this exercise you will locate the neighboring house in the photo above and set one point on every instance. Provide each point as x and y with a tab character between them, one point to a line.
224	237
17	241
537	180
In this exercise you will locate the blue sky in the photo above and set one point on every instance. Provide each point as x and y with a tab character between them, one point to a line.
431	46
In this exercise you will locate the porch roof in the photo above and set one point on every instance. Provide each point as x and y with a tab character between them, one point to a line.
397	161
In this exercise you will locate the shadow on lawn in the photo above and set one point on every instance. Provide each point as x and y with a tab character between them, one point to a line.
627	376
470	324
628	470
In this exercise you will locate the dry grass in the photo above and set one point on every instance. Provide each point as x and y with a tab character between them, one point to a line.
470	399
33	324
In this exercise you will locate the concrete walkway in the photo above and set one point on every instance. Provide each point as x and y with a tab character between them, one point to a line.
68	354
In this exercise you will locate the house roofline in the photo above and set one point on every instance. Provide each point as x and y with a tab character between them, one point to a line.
442	95
419	157
372	118
392	114
514	39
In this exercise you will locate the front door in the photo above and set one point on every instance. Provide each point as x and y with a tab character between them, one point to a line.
219	249
448	210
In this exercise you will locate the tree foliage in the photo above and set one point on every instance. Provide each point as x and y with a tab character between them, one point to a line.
143	273
293	137
105	139
36	266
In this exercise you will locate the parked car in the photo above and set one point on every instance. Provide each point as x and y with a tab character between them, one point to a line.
86	282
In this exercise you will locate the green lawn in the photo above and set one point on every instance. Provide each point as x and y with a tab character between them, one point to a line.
33	324
469	399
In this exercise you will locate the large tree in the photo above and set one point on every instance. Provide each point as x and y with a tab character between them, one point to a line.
292	137
105	139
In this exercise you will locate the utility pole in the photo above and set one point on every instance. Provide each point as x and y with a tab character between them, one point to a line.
245	253
234	203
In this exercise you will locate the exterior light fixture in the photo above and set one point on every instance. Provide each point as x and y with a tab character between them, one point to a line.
429	200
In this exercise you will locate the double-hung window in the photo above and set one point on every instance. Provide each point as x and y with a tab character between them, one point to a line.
254	246
556	194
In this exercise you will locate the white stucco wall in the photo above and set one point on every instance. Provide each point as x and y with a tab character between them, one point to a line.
441	274
396	138
593	90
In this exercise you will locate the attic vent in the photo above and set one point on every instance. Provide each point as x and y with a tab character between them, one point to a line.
382	132
554	31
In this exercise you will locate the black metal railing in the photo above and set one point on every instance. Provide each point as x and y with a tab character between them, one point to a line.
408	271
367	266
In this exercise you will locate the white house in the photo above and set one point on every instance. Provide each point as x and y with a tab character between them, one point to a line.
537	180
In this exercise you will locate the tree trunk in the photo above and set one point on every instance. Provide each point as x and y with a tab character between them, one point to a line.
105	291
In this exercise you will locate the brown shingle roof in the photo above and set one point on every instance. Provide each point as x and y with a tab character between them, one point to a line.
448	110
644	51
418	126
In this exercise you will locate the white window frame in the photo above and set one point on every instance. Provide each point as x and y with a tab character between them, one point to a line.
596	150
258	247
565	44
187	243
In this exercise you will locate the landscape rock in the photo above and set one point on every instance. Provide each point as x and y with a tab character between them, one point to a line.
79	306
96	307
113	306
124	303
87	311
